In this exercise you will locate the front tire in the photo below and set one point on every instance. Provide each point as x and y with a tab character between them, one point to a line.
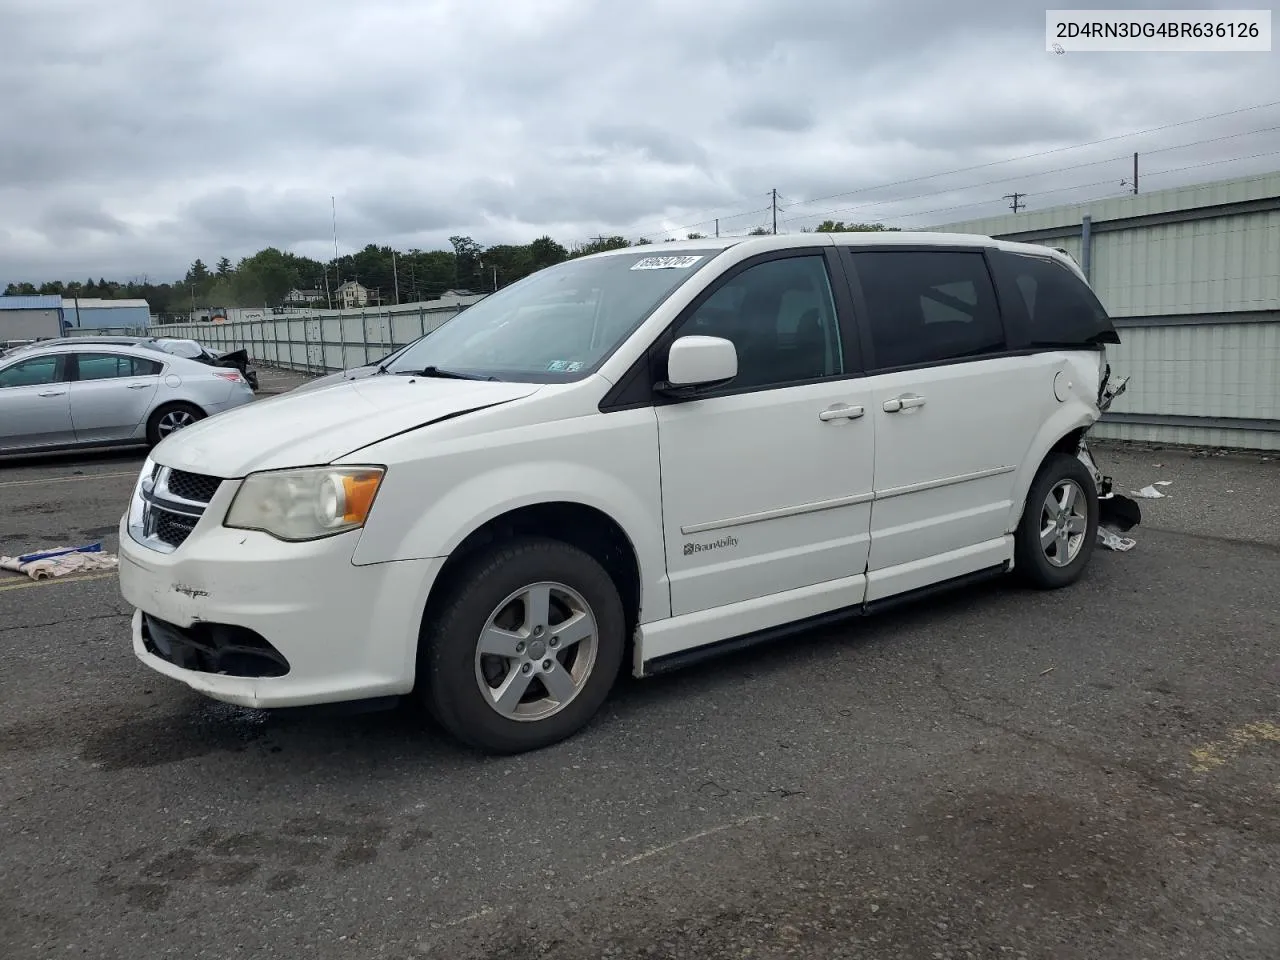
525	648
1059	527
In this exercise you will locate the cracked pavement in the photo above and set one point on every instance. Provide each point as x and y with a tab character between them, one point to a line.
1091	773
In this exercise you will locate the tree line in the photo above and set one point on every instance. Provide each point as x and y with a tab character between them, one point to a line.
266	278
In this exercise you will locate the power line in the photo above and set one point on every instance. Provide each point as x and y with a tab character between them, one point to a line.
1103	183
996	163
1026	176
1045	153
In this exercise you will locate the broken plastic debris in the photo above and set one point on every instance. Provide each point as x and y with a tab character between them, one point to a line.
61	561
1149	492
1113	541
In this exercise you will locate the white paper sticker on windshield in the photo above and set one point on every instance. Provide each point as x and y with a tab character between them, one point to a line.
666	263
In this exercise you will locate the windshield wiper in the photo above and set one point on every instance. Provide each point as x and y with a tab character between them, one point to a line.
434	371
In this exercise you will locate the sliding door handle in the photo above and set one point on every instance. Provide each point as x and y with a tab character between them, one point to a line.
841	411
905	402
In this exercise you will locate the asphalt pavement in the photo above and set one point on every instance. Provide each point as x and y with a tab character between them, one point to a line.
1089	773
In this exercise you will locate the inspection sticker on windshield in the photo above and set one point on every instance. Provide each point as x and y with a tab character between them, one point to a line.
665	263
567	366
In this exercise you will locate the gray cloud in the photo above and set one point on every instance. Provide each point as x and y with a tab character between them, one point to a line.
149	135
782	116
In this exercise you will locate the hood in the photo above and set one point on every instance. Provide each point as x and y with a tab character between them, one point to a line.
294	430
342	376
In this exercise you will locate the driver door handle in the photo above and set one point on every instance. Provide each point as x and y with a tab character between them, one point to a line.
841	411
905	402
54	393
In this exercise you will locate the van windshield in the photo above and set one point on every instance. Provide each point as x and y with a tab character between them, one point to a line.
556	325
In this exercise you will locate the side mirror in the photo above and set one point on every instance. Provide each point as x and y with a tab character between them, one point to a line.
699	363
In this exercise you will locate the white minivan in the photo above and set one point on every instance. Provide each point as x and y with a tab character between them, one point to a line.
645	456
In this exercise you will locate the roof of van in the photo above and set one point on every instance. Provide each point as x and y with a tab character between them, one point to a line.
880	238
859	238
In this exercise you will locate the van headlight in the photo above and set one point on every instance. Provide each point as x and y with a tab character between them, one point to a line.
305	504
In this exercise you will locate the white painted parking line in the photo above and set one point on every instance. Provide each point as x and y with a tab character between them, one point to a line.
88	476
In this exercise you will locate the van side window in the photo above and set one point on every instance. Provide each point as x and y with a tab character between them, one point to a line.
1061	309
781	317
928	306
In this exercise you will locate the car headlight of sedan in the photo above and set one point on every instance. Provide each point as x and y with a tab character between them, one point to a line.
305	504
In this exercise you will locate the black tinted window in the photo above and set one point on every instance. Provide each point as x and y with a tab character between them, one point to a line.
926	306
781	317
110	366
35	372
1061	309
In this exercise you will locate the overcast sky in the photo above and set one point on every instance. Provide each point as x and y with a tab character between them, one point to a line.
141	134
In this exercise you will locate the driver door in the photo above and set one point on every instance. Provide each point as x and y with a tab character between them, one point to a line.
767	481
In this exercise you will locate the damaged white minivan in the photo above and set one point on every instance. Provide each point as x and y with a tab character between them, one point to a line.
645	456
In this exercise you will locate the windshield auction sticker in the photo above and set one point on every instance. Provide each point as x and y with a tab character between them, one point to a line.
665	263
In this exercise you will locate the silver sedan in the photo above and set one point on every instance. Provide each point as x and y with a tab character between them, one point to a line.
69	395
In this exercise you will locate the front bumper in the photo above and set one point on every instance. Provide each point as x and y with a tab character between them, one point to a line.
333	631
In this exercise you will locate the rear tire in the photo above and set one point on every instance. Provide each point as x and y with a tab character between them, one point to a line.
171	418
1059	528
524	648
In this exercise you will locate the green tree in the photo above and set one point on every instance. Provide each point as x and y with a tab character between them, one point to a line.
264	278
223	270
758	232
600	245
197	272
839	226
466	254
545	252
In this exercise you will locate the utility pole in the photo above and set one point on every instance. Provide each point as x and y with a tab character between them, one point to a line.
337	280
1016	198
395	277
1132	184
775	209
717	226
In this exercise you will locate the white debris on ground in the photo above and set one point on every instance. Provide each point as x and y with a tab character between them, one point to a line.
59	562
1113	541
1150	492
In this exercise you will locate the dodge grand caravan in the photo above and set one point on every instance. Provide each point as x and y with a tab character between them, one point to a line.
643	456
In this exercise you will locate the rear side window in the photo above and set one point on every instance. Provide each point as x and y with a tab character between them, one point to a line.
928	306
112	366
1061	310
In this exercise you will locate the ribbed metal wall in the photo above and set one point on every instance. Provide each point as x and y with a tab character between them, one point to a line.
1206	266
1180	282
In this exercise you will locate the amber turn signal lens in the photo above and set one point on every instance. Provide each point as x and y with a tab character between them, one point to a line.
358	496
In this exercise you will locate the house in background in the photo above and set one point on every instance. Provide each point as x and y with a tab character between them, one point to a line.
305	298
351	294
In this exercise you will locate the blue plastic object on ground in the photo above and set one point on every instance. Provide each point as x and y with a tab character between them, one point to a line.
91	548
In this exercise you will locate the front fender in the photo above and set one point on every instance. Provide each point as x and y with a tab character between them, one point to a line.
429	505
